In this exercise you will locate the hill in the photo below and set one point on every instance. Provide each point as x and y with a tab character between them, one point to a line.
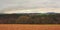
31	18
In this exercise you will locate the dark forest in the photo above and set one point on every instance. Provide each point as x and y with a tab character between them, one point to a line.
31	18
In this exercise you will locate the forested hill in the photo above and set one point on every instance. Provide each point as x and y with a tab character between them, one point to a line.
30	18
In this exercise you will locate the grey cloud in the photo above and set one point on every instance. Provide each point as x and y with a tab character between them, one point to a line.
27	4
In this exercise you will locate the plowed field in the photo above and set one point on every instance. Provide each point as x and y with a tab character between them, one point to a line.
28	27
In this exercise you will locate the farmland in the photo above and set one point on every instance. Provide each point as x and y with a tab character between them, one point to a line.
28	27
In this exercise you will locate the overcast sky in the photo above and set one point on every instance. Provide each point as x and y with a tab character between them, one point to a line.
30	3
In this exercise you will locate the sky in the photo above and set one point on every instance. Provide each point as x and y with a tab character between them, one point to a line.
42	10
29	4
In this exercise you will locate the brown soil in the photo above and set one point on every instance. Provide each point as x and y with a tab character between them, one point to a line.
28	27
